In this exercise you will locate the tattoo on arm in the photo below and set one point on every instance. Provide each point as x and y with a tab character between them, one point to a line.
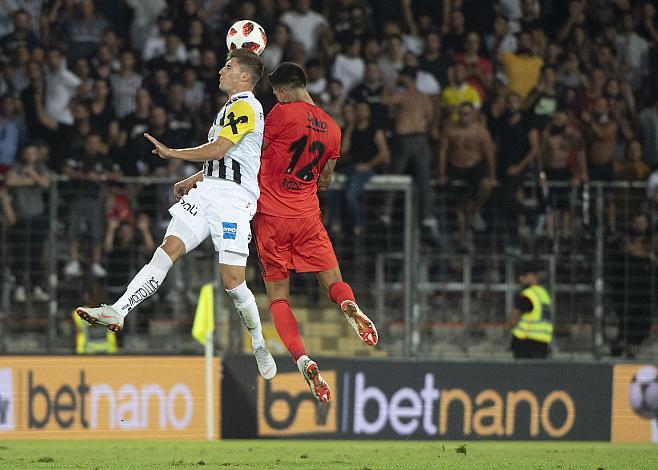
324	180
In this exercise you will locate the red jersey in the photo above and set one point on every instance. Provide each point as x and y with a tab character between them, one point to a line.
298	140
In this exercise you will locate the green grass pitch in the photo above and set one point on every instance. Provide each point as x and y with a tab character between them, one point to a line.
323	455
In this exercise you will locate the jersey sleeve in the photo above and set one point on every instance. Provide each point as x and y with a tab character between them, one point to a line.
334	154
274	124
238	121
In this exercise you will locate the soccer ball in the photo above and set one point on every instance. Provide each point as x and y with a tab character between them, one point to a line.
248	35
643	392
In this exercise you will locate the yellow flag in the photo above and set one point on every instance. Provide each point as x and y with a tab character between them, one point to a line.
204	318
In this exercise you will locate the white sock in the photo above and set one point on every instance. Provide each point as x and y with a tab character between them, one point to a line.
245	304
145	283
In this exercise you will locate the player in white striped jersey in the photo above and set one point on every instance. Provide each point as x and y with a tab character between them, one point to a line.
218	201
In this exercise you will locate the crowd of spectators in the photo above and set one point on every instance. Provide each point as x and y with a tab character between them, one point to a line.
490	93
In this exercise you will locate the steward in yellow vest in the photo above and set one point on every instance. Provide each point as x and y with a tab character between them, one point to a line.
532	328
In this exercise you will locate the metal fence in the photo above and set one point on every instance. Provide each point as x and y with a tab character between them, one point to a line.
445	296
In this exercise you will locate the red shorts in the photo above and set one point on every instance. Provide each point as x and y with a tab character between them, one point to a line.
299	244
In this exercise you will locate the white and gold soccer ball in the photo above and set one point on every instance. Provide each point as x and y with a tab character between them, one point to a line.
246	34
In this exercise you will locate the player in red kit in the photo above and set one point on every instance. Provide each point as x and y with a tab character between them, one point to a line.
301	144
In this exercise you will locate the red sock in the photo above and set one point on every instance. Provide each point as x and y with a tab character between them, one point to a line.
286	326
341	291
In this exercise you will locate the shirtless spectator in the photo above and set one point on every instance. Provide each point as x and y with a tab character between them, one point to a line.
412	115
600	130
466	154
561	161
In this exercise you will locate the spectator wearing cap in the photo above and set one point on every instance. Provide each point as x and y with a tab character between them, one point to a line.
523	67
305	25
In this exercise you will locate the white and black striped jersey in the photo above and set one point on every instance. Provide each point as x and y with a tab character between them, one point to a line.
241	121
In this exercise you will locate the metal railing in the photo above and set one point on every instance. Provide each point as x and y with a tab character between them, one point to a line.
428	299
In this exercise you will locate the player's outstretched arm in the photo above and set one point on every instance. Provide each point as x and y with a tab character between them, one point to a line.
210	151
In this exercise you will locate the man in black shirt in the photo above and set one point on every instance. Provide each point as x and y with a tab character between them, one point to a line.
518	143
87	172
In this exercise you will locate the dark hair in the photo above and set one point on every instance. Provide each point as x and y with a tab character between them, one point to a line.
250	61
408	71
287	74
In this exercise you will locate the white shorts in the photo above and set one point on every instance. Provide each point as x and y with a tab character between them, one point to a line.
218	208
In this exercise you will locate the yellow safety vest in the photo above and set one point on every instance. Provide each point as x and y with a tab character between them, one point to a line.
536	324
86	345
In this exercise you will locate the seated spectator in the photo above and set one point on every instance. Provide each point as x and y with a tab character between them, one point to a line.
365	145
61	86
458	92
523	67
11	130
479	72
348	66
87	172
85	31
125	84
22	36
466	155
28	180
